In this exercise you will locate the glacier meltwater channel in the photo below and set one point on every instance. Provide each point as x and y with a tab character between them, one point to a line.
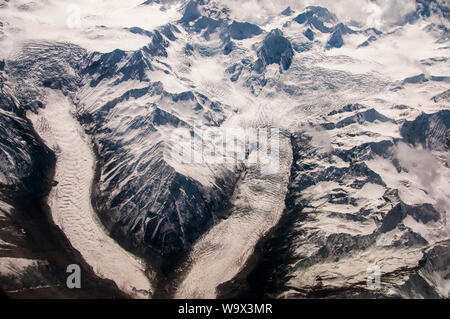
70	200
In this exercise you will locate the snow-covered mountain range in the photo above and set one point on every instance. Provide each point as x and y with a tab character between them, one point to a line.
91	97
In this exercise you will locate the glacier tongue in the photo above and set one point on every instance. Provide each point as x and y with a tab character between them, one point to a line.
257	206
70	200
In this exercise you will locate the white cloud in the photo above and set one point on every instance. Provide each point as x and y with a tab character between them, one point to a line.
374	13
319	138
418	162
423	166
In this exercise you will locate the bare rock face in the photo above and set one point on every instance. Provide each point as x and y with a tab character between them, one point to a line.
22	154
432	131
309	34
366	116
244	30
443	97
317	17
423	213
306	238
191	12
276	49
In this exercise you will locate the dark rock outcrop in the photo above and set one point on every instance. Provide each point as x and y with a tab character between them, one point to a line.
336	40
347	108
276	49
309	34
443	97
422	213
191	12
317	17
417	79
243	30
287	12
367	116
432	131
